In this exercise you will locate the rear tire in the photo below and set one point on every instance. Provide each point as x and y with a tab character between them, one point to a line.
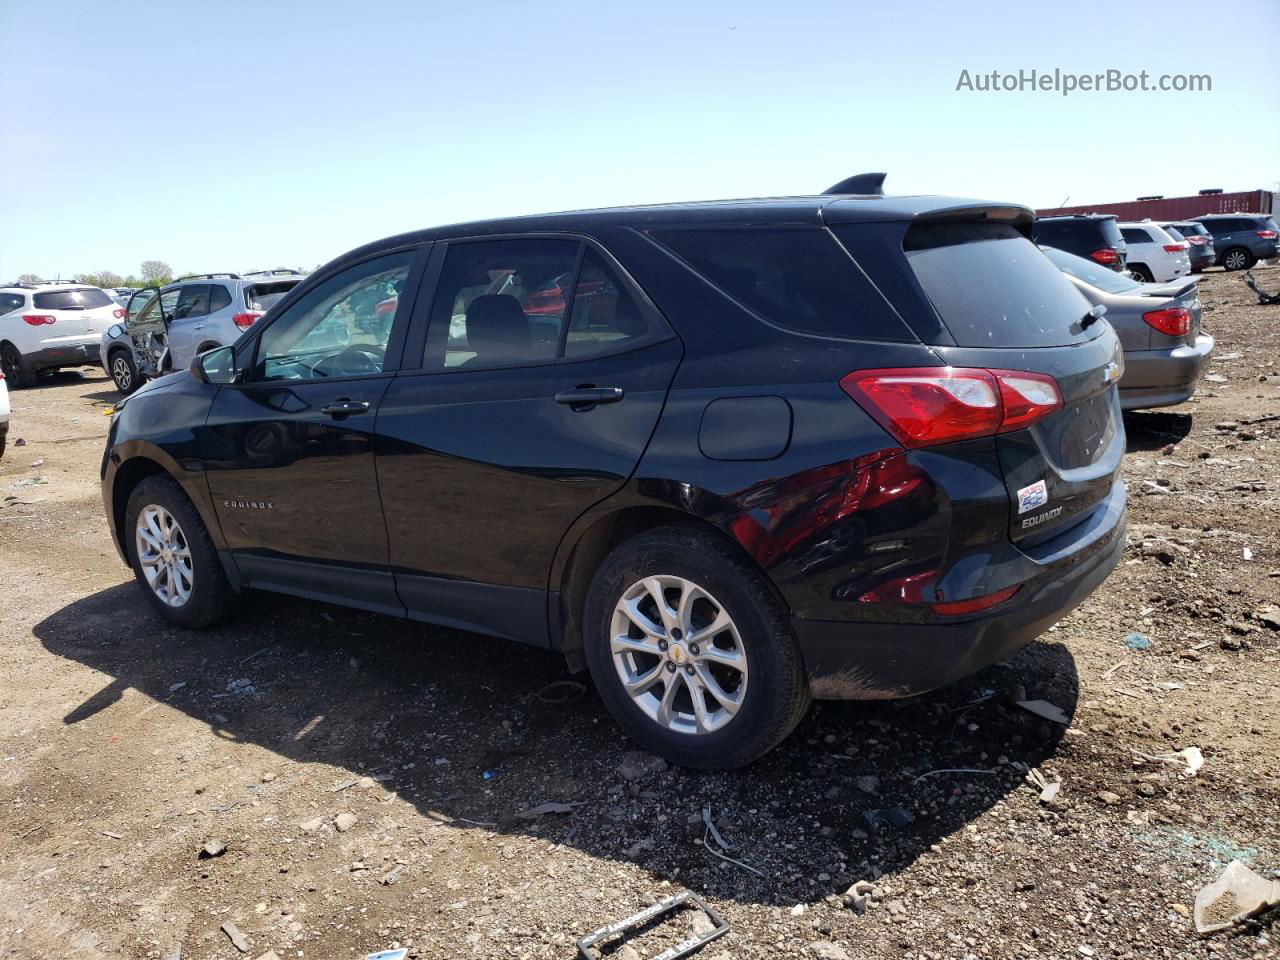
173	556
1238	258
18	375
723	639
1141	273
124	372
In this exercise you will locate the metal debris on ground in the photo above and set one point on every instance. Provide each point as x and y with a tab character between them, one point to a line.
1045	709
718	927
859	895
952	770
1236	895
889	817
544	808
711	832
1137	641
1048	790
1190	759
238	939
1265	299
398	954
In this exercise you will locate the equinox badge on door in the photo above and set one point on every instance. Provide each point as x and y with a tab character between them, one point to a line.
249	504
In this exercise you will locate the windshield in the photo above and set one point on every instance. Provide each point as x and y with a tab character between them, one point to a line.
1103	278
79	298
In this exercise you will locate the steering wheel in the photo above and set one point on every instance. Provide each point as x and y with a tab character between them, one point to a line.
353	360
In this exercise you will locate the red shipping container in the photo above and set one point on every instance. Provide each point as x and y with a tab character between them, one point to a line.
1176	208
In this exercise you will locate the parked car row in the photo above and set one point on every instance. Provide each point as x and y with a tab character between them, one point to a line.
1160	252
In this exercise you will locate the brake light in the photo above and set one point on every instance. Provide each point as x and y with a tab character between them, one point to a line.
1267	234
1197	240
38	319
118	313
246	320
977	603
1106	256
1175	321
923	406
1174	247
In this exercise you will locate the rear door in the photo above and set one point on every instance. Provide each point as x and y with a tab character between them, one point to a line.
534	398
186	325
147	321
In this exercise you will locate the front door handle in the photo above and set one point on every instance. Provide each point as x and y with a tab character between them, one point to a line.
344	408
588	396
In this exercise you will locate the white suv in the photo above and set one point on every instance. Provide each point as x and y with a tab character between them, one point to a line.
1154	256
44	326
4	414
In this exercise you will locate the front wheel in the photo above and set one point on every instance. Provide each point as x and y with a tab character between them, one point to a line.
173	557
124	372
1238	258
690	651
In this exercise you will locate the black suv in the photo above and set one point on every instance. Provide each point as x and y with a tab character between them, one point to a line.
1241	239
725	455
1095	236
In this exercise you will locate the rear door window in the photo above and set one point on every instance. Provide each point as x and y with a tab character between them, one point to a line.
797	278
219	297
78	298
993	288
1135	235
193	301
604	317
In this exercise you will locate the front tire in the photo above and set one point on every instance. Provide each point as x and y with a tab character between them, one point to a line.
1238	258
173	557
690	651
15	373
124	372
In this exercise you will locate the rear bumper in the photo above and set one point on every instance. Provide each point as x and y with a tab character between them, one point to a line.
1162	378
63	355
870	661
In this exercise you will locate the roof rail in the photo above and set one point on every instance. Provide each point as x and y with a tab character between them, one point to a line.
21	285
867	184
282	271
207	276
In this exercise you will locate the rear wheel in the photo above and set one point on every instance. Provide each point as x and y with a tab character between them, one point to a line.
690	651
173	556
1238	258
1140	273
124	372
15	373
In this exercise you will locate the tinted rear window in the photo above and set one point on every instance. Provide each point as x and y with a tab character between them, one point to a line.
994	288
75	299
798	278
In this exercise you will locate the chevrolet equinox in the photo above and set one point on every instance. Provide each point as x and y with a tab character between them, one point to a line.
727	456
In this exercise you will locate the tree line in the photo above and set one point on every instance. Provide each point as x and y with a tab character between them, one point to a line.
152	273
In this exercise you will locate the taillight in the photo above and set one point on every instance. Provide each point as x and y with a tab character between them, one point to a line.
923	406
1175	321
1174	248
1197	240
956	607
246	320
118	313
1105	256
38	319
1267	234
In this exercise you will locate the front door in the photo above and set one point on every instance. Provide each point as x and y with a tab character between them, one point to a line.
289	452
542	379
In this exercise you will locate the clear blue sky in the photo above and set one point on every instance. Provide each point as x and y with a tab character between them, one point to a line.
240	135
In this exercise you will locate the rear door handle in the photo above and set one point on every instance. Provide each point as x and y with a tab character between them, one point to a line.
589	396
344	408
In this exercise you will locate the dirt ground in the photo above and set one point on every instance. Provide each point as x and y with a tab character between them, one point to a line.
126	746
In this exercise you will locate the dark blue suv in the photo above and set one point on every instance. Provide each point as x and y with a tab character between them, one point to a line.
1241	239
728	456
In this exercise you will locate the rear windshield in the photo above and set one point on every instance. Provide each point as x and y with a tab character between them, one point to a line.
77	298
1191	229
993	288
262	296
798	278
1103	231
1104	278
1269	224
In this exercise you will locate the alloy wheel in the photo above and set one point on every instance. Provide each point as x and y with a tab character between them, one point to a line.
164	555
121	373
1235	260
679	655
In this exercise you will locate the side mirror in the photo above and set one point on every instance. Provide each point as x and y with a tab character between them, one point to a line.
216	366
